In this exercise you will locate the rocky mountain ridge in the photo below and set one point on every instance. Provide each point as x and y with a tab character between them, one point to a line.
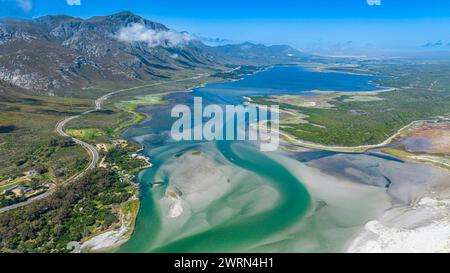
54	53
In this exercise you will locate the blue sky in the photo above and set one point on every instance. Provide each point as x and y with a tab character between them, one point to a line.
305	24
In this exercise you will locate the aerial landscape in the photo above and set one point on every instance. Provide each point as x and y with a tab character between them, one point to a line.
275	127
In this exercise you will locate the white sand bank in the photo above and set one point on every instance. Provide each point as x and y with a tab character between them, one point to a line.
106	240
338	212
112	238
205	190
425	227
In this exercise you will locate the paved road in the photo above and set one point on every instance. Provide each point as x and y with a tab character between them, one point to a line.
99	101
91	149
29	201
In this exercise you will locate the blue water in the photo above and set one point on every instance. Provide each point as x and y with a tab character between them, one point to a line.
282	80
242	231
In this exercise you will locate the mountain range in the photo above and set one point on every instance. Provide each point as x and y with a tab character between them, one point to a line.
55	53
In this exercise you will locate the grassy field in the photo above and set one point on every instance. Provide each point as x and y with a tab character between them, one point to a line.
118	112
130	210
27	124
100	126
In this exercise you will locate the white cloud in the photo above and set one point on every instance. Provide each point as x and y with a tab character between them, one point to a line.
374	2
73	2
25	5
139	33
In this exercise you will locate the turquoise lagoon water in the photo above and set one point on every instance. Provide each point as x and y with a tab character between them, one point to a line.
238	233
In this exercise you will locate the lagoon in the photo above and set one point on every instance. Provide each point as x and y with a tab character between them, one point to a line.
286	80
227	196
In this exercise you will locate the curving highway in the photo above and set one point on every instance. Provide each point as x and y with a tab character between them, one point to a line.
90	148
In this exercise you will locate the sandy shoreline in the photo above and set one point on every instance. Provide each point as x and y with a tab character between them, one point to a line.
106	240
422	227
114	238
296	141
418	220
339	209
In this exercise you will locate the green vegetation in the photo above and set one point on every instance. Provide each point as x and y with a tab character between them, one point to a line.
32	154
131	207
359	122
100	126
45	168
73	212
362	98
238	72
437	160
131	105
130	210
7	199
118	112
400	153
87	135
26	128
120	157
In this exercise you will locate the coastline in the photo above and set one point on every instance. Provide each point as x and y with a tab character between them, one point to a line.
115	237
306	144
362	148
422	226
329	69
128	212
